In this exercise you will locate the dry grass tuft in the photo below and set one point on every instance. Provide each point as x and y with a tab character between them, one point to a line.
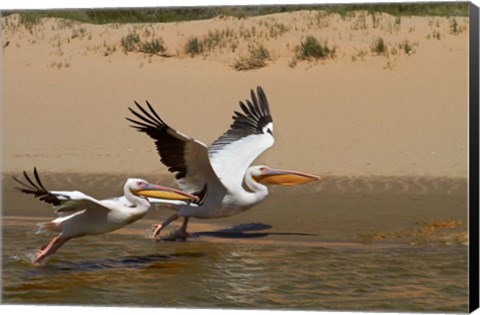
257	58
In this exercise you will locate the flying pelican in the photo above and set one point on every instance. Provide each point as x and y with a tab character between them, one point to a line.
220	174
81	215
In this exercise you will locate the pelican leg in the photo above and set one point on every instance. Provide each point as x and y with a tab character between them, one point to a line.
182	231
157	228
51	248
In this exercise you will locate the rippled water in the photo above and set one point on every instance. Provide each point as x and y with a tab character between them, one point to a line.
312	257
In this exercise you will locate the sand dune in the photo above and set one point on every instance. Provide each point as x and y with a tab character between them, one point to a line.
66	89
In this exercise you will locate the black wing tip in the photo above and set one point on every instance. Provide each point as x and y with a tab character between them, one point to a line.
148	117
254	113
32	187
21	183
37	177
131	109
258	106
138	125
260	91
36	189
263	100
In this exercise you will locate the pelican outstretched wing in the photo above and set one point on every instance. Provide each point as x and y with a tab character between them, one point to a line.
185	157
250	134
62	201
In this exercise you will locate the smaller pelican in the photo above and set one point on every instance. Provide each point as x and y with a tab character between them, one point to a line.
81	215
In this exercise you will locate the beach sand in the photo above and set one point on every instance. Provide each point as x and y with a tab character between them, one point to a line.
67	86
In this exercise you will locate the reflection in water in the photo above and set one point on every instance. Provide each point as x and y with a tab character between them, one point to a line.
102	264
237	276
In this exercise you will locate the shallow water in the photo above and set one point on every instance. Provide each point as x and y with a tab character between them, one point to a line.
377	244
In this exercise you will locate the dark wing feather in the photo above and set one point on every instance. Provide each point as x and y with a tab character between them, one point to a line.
170	145
183	156
62	201
254	117
37	189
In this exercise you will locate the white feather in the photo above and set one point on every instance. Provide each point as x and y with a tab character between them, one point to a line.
231	163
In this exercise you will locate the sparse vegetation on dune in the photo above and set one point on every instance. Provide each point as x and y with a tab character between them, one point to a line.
213	40
435	34
217	39
109	50
454	29
153	47
378	46
310	49
29	21
194	47
397	23
244	43
257	58
277	29
407	47
360	21
359	53
133	43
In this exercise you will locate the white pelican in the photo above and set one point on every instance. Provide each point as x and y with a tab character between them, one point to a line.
220	174
81	215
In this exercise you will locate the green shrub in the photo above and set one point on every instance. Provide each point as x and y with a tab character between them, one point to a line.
258	55
194	47
398	22
378	46
407	47
310	48
454	29
131	42
154	47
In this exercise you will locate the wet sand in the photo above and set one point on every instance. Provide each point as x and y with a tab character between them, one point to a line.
336	209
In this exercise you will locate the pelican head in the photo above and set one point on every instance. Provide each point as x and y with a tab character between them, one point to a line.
140	187
266	175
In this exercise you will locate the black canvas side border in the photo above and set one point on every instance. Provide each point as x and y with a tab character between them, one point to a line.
474	159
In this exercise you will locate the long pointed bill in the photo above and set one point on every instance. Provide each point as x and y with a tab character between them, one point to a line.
155	191
285	178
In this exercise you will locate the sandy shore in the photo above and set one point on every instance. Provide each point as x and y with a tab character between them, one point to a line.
66	89
335	208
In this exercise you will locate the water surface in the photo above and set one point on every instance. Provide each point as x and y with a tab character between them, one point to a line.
376	244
